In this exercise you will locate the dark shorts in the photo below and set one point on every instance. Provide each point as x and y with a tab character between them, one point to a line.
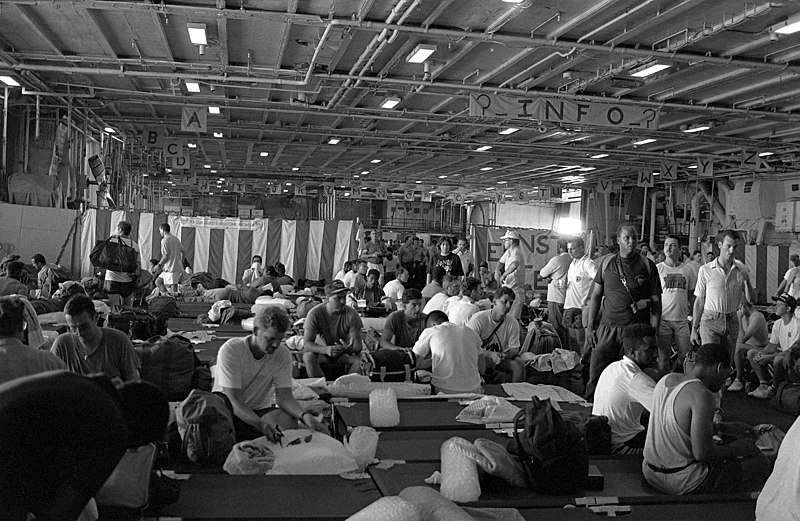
572	318
124	289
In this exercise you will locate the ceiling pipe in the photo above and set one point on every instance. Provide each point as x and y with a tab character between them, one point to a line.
376	45
772	116
569	44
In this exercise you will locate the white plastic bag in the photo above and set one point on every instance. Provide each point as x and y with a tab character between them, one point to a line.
361	445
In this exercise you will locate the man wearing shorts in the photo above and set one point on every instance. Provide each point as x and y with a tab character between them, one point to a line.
171	258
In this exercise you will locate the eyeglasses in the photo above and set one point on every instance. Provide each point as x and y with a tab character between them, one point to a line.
298	441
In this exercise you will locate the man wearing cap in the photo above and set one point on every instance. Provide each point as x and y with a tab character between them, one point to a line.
791	279
784	334
332	333
510	271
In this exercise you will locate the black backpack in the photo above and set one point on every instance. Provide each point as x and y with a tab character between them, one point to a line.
553	451
137	323
389	365
114	256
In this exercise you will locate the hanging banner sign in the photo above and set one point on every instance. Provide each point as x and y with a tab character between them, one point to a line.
752	160
458	198
705	167
173	148
194	119
154	136
499	198
426	197
275	189
330	190
180	162
299	189
616	115
521	196
645	180
668	171
408	195
380	193
605	186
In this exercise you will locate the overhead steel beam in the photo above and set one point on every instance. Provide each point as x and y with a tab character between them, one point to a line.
44	32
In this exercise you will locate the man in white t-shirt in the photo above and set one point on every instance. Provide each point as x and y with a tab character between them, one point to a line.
677	285
500	335
779	500
253	370
443	300
454	350
394	288
556	270
171	262
624	391
791	279
784	334
460	311
580	279
119	285
510	270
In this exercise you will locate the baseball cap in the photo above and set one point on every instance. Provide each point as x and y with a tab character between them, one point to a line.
511	234
335	287
786	299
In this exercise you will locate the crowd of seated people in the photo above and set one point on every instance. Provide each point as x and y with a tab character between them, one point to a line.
463	329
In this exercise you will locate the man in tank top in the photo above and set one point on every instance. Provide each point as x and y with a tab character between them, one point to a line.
680	456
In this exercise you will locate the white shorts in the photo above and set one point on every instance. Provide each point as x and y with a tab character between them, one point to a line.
171	277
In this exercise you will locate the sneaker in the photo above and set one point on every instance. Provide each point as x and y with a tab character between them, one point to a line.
763	392
736	387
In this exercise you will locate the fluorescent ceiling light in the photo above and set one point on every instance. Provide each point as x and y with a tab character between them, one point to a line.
484	148
790	26
649	69
692	166
489	188
264	154
765	154
643	142
191	145
390	102
214	172
213	110
206	166
697	128
512	1
217	134
442	177
487	168
421	53
502	182
376	161
334	141
8	80
192	86
364	172
110	130
509	130
288	184
295	169
598	156
197	33
356	176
